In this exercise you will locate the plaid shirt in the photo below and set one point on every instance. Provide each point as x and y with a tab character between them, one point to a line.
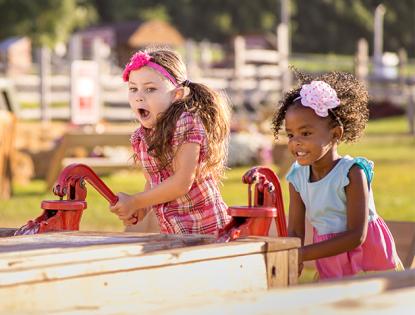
202	209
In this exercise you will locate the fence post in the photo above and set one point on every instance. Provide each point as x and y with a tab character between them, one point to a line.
407	88
75	47
239	52
99	49
362	60
410	111
192	68
283	51
44	86
378	39
283	44
239	56
205	55
403	61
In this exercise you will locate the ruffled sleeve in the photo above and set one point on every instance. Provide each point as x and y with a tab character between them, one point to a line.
292	176
363	163
189	128
367	166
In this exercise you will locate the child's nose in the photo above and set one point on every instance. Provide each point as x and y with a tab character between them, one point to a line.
139	98
294	140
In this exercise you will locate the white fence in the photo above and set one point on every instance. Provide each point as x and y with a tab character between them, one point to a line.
255	78
113	96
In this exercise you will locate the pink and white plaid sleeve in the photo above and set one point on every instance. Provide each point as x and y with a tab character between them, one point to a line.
190	129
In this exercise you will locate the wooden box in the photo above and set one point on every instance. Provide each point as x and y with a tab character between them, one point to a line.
85	270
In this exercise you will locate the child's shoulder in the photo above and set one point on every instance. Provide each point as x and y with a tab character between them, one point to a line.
295	172
187	117
298	172
366	165
189	128
188	121
362	162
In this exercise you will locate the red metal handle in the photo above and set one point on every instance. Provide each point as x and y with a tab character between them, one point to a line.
83	171
259	174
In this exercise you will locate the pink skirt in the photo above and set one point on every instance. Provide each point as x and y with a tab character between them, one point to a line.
378	252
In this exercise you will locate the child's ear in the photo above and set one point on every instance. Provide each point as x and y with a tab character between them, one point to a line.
337	133
178	93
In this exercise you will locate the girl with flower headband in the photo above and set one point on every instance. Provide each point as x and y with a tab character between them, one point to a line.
334	192
181	146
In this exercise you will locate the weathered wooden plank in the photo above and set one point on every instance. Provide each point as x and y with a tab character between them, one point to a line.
296	303
80	239
115	272
377	294
220	276
114	258
277	268
292	266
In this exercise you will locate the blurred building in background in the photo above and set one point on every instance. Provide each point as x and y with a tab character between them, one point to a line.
15	55
123	38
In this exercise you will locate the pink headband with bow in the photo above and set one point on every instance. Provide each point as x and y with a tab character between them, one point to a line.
141	59
319	96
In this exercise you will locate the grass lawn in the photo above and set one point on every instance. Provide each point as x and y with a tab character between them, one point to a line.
385	142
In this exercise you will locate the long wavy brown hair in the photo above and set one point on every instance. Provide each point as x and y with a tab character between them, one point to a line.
209	106
352	113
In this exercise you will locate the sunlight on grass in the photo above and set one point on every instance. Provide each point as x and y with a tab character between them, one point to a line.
386	143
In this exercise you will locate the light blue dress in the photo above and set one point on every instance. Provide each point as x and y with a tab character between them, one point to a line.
325	200
325	204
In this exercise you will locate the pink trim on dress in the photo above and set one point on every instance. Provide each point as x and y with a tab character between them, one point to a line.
377	253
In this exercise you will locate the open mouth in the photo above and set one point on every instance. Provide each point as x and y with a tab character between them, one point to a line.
144	114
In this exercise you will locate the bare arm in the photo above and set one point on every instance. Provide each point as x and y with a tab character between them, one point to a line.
296	215
357	218
185	166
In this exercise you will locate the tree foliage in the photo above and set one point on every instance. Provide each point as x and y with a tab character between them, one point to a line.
47	22
319	26
336	25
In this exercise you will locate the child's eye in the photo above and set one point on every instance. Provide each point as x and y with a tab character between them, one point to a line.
150	89
305	133
289	135
132	89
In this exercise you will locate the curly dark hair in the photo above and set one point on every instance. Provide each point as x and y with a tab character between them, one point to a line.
211	107
352	113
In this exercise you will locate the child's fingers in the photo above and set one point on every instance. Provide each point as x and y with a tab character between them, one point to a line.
140	214
114	209
131	221
123	216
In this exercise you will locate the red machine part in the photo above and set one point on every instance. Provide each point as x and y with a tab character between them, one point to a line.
256	218
65	214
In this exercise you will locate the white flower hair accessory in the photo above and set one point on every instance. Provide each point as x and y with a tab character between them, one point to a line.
319	96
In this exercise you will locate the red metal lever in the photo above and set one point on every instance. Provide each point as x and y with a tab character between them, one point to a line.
78	172
267	204
65	214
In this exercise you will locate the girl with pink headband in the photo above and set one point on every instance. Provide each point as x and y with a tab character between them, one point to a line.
333	192
181	146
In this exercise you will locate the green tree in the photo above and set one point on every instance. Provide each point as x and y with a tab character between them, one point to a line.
216	20
46	22
324	26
